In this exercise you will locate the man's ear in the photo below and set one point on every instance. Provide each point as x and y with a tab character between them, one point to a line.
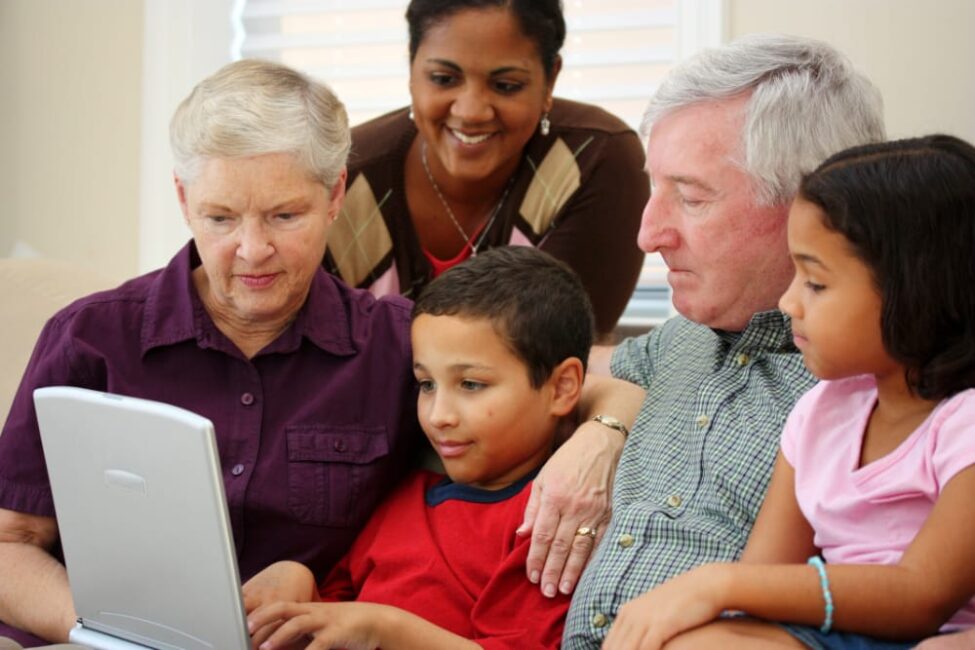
566	384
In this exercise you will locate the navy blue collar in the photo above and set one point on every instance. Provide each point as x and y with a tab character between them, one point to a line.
447	490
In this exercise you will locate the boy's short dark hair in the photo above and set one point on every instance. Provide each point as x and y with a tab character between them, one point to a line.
535	302
908	209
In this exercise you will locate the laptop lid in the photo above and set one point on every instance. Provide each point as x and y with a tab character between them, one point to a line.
143	521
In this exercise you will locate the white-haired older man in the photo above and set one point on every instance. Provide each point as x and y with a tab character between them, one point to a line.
730	133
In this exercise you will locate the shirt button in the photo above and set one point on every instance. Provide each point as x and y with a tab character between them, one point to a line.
237	470
599	620
702	421
339	445
626	540
247	399
742	359
674	501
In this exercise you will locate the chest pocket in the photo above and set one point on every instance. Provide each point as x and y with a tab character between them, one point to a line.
330	468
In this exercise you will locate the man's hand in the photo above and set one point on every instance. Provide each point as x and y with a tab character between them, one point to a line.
571	492
571	495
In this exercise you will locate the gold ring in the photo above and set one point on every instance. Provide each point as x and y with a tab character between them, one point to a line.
586	531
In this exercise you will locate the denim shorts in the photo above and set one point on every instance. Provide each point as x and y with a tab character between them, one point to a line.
816	640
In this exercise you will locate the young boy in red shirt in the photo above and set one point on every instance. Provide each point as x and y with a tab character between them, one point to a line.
499	348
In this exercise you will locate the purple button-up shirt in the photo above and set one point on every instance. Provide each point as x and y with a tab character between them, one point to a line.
312	432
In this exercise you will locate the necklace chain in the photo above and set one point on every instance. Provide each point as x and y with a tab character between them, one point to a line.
450	213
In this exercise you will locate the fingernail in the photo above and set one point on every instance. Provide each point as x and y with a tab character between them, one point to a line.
533	578
521	530
549	590
566	588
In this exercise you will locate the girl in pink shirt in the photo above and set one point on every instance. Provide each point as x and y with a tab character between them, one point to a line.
866	538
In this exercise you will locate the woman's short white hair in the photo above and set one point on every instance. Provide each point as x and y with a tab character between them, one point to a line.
253	107
807	103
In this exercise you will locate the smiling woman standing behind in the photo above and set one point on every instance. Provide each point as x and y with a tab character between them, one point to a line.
486	157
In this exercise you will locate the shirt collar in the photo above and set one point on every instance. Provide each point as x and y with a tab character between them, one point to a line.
169	311
174	313
447	490
768	332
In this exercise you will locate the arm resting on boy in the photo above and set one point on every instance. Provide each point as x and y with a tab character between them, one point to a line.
600	357
573	488
34	593
934	578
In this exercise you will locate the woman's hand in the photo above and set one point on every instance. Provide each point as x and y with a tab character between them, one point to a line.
282	581
680	604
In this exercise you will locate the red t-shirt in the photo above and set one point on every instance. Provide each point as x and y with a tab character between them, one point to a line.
448	553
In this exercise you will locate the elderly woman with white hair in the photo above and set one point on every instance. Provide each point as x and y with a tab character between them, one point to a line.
309	383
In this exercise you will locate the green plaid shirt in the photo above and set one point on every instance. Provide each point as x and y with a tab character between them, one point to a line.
695	468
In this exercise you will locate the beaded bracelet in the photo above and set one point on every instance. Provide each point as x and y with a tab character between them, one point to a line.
817	562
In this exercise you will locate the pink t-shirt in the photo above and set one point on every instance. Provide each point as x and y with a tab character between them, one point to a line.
870	514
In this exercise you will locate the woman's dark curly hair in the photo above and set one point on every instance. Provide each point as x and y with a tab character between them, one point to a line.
908	209
540	20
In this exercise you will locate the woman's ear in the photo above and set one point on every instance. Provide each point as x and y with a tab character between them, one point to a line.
181	196
336	195
552	77
566	385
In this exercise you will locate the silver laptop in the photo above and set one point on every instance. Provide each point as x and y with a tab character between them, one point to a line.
143	521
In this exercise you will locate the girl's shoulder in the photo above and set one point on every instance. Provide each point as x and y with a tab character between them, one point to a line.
955	411
826	414
949	437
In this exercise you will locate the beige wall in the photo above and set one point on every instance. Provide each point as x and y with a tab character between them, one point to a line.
69	128
919	52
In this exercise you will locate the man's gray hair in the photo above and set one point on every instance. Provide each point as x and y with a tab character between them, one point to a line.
253	107
807	103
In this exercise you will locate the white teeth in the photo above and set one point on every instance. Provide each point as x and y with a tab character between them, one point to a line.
468	139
